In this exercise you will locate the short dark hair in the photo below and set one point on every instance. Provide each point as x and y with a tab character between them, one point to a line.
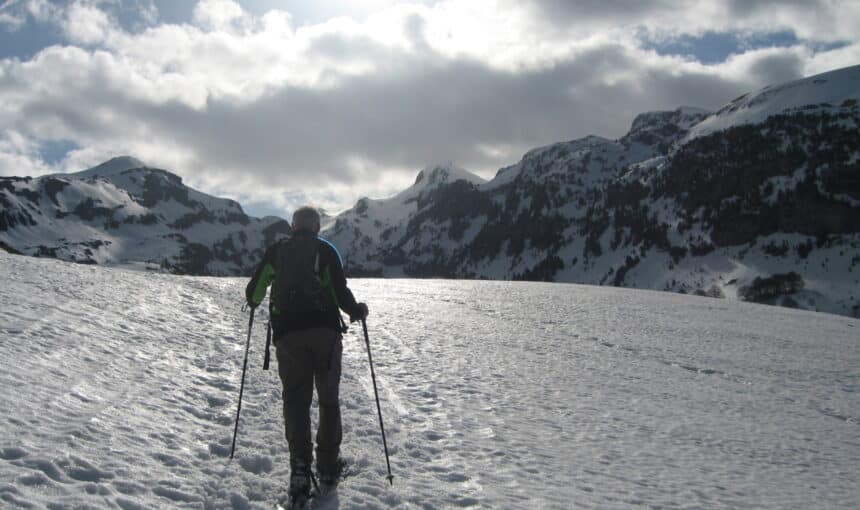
306	218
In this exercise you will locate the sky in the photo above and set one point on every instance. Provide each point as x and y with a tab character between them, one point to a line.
281	103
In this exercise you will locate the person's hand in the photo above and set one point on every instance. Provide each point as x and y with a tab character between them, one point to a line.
249	301
360	313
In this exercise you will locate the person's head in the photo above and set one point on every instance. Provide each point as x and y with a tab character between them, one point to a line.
306	218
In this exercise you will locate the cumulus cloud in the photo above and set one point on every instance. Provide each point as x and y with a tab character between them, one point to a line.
86	24
11	21
43	10
221	16
258	109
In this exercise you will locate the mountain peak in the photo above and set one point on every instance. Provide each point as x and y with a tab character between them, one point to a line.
682	118
444	172
111	167
124	212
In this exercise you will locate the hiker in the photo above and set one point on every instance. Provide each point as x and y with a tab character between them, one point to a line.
308	287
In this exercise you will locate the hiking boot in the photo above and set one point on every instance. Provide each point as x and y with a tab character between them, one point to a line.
300	482
329	479
328	483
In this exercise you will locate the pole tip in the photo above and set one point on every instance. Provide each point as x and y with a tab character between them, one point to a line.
390	479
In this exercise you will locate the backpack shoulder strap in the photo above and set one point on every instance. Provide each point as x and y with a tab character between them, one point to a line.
317	261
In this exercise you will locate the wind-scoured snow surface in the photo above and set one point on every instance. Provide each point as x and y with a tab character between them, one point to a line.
120	390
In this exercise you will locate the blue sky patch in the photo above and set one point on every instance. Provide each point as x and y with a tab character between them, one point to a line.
24	41
28	40
54	151
717	47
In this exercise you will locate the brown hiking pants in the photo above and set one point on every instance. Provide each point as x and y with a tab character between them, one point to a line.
308	357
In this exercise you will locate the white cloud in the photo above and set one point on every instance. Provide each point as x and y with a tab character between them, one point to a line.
43	10
86	24
11	22
257	108
834	59
221	16
768	65
148	13
19	155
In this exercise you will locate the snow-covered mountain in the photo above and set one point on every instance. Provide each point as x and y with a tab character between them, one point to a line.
758	201
367	230
124	212
828	93
120	388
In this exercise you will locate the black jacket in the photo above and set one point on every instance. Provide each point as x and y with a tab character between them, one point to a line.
331	274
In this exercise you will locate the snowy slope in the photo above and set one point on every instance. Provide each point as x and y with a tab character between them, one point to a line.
826	92
123	387
125	213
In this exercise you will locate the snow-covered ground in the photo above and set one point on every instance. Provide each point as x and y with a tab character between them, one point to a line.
120	387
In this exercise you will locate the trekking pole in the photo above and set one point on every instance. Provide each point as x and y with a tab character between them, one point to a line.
267	356
390	477
242	386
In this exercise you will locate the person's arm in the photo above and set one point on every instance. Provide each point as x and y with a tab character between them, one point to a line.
255	292
345	299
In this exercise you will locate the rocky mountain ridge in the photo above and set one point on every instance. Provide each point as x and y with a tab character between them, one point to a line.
759	200
734	203
123	212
